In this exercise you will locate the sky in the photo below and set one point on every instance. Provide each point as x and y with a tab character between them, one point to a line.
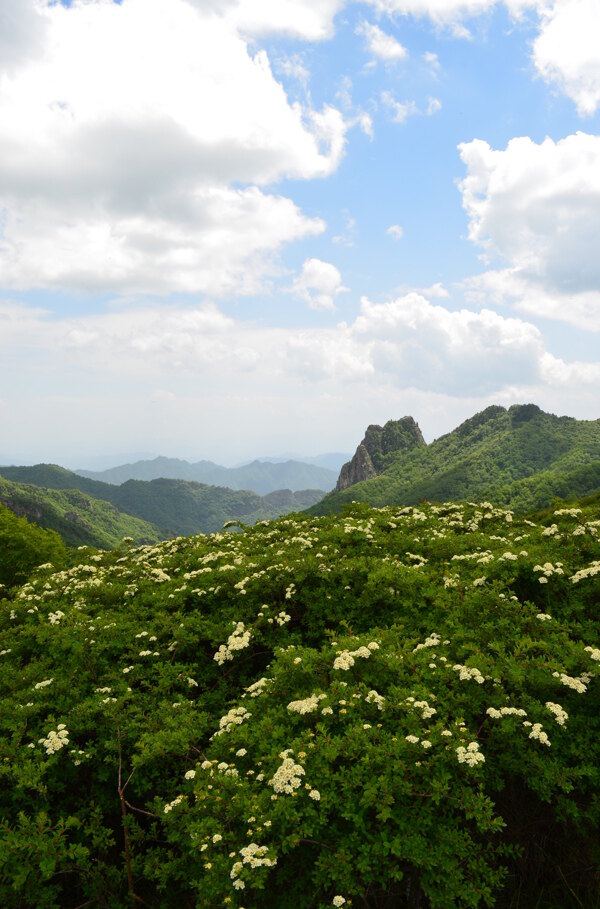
239	228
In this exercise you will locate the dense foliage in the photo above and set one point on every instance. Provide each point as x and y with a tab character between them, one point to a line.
397	707
162	508
24	546
521	457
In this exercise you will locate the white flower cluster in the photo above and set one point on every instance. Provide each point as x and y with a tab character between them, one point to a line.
55	740
577	684
307	705
169	807
345	659
434	640
538	733
470	755
315	795
560	715
287	776
257	688
234	717
338	901
505	711
55	617
282	618
427	711
238	640
43	684
190	774
544	617
588	572
467	672
594	652
551	531
374	698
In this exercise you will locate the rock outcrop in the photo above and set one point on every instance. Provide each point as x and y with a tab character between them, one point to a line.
377	448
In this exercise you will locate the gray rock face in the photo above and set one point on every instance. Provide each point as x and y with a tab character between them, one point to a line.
377	449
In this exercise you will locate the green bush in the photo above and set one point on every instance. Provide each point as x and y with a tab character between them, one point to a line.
395	707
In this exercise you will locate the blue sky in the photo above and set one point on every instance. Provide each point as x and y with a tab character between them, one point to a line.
241	228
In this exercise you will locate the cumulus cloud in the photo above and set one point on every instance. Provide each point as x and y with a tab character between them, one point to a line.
319	284
567	50
536	208
125	175
382	45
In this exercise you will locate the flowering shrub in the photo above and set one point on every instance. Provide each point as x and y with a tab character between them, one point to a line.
314	712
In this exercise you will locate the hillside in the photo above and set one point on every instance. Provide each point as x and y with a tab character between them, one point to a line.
24	546
173	507
259	476
80	519
520	457
397	707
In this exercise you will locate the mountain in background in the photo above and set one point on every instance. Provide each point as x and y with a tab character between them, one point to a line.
521	457
99	514
259	476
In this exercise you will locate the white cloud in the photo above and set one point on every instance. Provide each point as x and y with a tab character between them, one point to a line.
567	50
432	60
21	32
400	110
395	231
130	378
450	12
382	45
304	19
121	176
537	209
319	284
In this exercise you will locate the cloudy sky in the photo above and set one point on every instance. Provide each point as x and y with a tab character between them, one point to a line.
234	228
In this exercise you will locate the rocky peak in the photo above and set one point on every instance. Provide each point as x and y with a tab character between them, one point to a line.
377	448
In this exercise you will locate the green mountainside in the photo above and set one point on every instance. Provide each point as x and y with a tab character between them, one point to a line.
80	519
64	501
520	457
259	476
23	547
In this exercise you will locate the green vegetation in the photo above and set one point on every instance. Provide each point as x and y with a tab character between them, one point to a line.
390	708
80	519
171	506
521	457
24	546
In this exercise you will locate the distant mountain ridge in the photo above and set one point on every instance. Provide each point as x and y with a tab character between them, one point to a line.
521	457
259	476
90	512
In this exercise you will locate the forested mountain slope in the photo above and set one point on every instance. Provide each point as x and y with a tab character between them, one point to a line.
520	457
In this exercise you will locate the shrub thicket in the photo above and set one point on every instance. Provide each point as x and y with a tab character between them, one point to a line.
395	707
